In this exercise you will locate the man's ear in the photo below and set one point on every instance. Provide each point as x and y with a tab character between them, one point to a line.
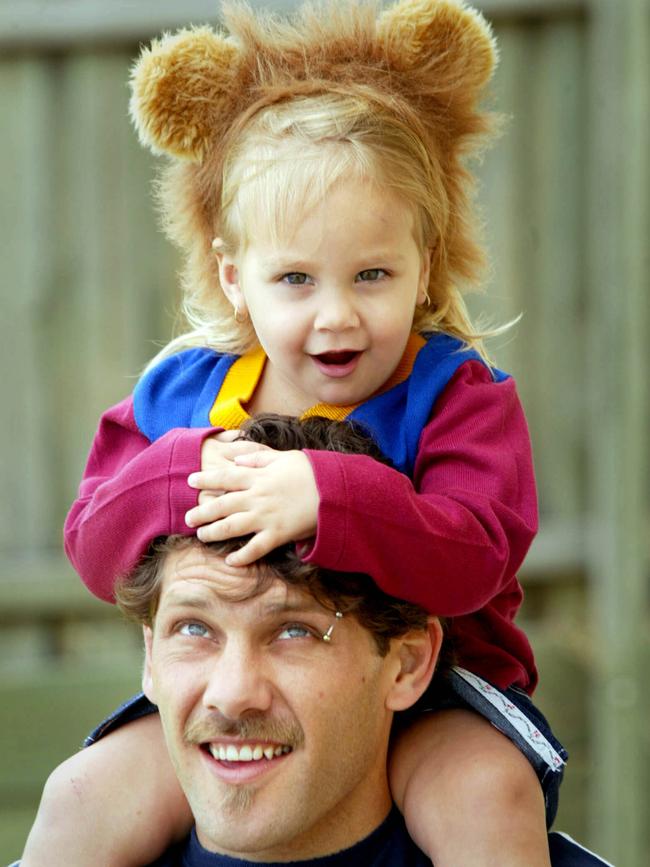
147	678
418	653
229	279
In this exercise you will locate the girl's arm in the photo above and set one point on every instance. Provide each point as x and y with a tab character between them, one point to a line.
116	803
453	538
132	491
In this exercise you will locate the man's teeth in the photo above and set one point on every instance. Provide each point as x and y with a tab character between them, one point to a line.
246	753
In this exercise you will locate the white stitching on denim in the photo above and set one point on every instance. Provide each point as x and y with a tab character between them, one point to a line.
516	717
584	848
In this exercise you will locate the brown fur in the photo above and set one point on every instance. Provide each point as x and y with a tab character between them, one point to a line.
188	88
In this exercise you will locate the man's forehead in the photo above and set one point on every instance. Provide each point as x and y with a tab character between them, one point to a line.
200	576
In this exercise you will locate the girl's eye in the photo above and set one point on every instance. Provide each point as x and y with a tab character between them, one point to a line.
193	630
296	278
371	274
294	630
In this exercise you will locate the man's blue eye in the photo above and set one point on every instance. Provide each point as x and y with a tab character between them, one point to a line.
296	278
193	630
371	274
294	631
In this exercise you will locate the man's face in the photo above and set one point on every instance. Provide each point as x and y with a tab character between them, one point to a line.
278	738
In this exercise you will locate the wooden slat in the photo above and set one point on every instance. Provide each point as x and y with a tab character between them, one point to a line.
562	653
29	463
500	198
617	355
44	719
115	298
59	24
556	203
44	586
15	822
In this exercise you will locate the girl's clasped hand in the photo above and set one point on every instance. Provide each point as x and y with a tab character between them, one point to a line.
250	489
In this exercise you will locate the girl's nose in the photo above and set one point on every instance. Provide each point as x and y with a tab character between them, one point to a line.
337	311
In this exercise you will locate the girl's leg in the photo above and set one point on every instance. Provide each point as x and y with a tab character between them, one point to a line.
118	797
469	797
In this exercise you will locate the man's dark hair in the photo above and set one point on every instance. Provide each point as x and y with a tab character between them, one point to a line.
349	592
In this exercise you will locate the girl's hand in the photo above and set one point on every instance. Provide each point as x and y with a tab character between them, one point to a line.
225	446
268	493
220	450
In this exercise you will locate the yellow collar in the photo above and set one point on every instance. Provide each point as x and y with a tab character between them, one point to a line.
245	374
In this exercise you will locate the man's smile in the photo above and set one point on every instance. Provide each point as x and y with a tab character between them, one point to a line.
247	752
245	762
242	750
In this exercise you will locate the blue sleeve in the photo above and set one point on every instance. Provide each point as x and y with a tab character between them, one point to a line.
179	391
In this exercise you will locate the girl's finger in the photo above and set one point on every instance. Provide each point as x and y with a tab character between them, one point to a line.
227	528
227	477
208	495
207	480
259	458
215	509
256	548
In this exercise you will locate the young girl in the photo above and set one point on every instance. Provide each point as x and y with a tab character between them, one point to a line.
318	189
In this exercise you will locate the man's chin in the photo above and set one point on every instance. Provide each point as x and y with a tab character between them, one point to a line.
237	801
242	830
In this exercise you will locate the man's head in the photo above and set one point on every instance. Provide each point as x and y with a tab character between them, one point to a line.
278	736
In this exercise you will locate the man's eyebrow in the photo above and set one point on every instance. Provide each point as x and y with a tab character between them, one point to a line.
271	609
176	600
297	606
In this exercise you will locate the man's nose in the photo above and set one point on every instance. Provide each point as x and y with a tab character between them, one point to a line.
238	683
336	309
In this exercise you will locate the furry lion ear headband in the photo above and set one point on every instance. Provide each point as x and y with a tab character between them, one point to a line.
437	55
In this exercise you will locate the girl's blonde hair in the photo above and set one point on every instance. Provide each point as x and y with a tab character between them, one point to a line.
279	160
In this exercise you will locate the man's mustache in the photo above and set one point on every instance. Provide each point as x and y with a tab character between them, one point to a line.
249	728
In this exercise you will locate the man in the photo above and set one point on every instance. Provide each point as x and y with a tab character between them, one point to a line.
277	692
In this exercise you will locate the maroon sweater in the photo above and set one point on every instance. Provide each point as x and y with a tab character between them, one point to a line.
451	538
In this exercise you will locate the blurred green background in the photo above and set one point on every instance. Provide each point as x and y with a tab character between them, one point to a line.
89	291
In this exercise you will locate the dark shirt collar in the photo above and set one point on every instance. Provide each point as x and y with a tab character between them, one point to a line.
362	853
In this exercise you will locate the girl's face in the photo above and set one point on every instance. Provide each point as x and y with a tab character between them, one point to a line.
333	305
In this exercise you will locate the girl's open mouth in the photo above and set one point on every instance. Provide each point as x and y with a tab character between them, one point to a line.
341	357
337	363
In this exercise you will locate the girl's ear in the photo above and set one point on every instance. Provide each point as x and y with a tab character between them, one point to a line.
418	653
229	279
147	677
425	273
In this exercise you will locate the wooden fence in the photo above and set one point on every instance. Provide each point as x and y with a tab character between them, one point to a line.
89	289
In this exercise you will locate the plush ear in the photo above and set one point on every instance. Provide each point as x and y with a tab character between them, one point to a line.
441	39
147	679
180	86
418	653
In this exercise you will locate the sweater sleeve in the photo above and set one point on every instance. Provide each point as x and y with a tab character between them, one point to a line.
132	491
452	538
